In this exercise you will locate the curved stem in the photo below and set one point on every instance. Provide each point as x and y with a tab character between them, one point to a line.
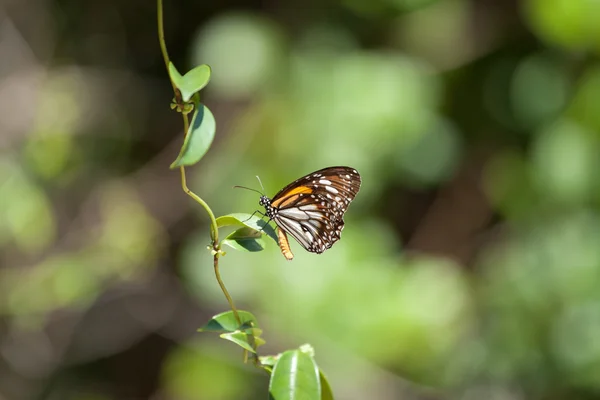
229	299
225	292
214	230
161	39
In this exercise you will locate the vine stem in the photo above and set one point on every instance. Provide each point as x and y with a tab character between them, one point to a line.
214	229
161	39
224	289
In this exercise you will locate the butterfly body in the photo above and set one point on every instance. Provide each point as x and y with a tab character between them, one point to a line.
311	209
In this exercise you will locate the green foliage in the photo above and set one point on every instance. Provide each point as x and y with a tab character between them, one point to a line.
25	216
250	221
199	137
326	392
245	339
567	23
192	82
255	49
245	239
295	376
226	322
245	334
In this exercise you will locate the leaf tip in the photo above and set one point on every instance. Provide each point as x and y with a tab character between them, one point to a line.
174	164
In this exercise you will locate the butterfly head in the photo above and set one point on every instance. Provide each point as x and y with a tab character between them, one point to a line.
266	203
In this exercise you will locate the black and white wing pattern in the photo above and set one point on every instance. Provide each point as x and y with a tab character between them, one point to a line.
311	209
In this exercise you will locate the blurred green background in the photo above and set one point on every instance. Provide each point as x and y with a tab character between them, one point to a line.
469	267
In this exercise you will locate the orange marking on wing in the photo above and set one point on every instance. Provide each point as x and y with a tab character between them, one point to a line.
284	244
291	196
287	201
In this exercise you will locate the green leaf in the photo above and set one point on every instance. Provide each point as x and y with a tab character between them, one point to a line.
326	392
198	139
192	82
248	338
256	332
259	341
245	239
269	360
226	322
175	75
295	376
254	337
251	221
240	338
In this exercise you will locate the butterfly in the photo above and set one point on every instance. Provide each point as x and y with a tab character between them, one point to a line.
311	209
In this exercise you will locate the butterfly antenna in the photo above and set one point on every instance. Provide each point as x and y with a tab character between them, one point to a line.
261	185
247	188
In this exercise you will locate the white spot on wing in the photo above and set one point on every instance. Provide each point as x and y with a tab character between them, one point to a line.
309	207
331	189
325	182
314	214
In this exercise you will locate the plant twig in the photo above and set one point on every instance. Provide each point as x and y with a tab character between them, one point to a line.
224	289
161	39
214	229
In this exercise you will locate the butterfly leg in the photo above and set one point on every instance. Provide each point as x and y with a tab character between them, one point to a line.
255	212
263	215
262	228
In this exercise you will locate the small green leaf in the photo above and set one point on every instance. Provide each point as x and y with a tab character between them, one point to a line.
240	338
269	361
254	337
240	219
198	139
185	109
326	392
245	239
295	376
256	332
192	82
175	76
259	341
226	322
248	338
251	221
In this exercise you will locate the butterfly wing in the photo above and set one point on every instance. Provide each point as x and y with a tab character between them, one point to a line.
311	209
